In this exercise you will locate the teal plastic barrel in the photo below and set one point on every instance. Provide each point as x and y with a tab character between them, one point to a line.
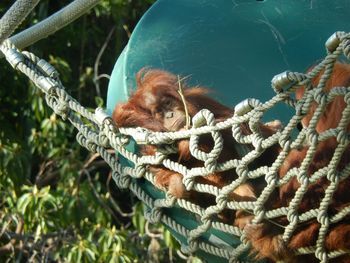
234	47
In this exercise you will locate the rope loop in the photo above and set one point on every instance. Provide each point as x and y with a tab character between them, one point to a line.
122	181
347	96
206	118
312	136
62	109
322	218
139	170
154	216
346	45
343	137
320	96
80	138
103	140
91	146
333	176
292	217
321	254
193	245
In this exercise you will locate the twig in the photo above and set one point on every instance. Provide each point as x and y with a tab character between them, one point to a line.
183	256
49	179
171	255
96	194
93	157
103	76
47	174
90	160
114	203
10	246
44	237
97	61
82	52
43	167
180	91
5	227
28	245
126	29
149	233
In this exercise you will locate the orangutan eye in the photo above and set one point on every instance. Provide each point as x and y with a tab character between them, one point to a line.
169	114
167	104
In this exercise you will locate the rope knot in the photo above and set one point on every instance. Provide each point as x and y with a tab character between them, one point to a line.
333	176
303	178
322	218
346	45
139	170
91	146
312	136
298	108
193	245
62	108
319	96
342	137
292	217
122	181
271	178
321	254
159	157
103	140
347	97
188	182
155	215
221	201
257	143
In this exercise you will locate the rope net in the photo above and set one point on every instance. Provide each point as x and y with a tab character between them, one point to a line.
97	133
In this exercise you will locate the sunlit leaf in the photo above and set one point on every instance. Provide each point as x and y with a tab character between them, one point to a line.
138	219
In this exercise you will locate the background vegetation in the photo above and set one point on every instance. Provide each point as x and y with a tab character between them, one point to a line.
57	201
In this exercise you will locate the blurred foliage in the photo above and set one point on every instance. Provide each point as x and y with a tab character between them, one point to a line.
58	202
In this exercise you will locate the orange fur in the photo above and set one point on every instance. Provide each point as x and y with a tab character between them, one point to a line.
155	97
266	237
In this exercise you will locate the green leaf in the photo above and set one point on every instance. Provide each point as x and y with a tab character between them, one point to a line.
169	240
23	202
138	219
99	101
